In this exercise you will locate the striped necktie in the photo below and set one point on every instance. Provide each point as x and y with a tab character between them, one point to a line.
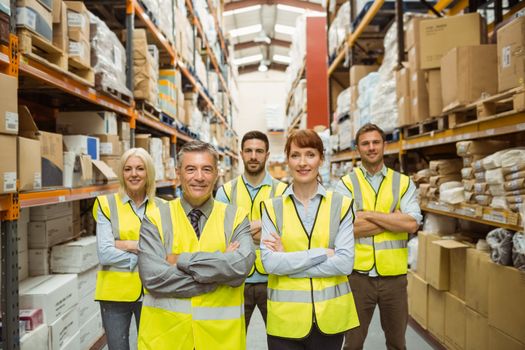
194	216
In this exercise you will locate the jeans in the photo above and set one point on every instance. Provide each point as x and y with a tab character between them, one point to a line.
116	318
255	295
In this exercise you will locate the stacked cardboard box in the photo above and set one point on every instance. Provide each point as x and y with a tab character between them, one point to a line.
35	16
511	60
78	28
145	69
8	132
171	96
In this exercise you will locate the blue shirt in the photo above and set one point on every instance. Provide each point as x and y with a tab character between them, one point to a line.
221	197
407	205
313	262
108	254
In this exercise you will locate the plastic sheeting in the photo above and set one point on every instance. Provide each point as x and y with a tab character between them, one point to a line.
500	242
438	224
518	251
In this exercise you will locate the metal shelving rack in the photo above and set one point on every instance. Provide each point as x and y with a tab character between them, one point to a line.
12	62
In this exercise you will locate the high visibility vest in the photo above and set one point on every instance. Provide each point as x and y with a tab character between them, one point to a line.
294	304
237	193
386	250
116	284
211	321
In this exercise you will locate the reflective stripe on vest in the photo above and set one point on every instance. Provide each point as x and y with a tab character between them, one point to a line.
386	251
294	302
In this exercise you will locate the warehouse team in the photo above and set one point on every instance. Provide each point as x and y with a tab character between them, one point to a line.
188	269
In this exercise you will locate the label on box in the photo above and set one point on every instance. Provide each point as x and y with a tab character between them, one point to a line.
505	57
26	17
10	181
11	121
76	49
75	19
37	181
106	148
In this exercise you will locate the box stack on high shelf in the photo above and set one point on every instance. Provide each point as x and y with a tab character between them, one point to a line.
459	132
82	82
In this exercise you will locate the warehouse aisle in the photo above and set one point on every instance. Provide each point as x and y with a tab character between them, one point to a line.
375	341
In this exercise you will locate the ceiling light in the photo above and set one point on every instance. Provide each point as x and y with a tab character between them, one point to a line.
280	28
247	59
262	68
242	10
282	59
245	30
299	10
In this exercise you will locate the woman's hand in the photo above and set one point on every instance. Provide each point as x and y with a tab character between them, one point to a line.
128	246
275	244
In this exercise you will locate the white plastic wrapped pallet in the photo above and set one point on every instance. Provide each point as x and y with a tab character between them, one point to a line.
366	87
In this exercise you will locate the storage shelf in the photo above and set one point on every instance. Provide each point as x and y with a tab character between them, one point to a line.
213	11
294	85
4	55
45	197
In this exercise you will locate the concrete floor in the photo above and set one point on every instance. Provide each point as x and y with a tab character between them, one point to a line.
256	337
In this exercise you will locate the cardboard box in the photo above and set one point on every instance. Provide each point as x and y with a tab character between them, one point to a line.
455	322
358	72
414	58
435	99
39	262
109	144
64	329
438	264
438	36
457	256
71	343
506	289
34	339
86	281
57	11
102	172
419	300
45	234
412	33
477	331
91	331
477	280
8	104
421	268
82	144
75	257
403	83
500	340
60	38
77	20
29	165
112	161
465	78
78	170
142	141
124	131
87	123
87	306
32	15
511	56
8	164
80	50
51	211
54	294
50	148
419	96
436	313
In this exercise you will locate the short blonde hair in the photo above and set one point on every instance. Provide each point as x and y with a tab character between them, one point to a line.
143	155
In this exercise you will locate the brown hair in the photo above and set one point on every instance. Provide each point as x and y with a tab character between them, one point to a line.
197	146
303	139
368	127
250	135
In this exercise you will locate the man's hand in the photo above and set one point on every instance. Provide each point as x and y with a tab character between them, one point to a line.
363	215
275	244
330	252
256	230
128	246
233	246
172	259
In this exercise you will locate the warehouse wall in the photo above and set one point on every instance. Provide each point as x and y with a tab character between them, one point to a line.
256	90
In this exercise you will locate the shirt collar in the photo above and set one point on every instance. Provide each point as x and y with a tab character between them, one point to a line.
383	171
205	208
321	191
267	181
125	198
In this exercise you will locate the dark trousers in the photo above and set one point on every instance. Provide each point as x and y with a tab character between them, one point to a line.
255	294
390	293
116	319
314	341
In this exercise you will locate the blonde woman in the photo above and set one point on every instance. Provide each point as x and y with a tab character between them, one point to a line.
119	216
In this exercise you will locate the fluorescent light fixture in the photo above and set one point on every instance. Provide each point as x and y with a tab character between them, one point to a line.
242	10
245	30
262	68
280	28
288	8
248	59
282	59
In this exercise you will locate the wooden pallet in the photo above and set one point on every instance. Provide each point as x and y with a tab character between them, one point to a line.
121	96
34	46
148	109
502	104
392	136
81	70
425	127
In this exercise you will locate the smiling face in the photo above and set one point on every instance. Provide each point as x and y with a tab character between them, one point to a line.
135	175
371	147
304	164
254	156
198	174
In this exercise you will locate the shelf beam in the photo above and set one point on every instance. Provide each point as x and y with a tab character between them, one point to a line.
234	5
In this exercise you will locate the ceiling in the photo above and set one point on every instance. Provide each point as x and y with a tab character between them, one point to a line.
260	30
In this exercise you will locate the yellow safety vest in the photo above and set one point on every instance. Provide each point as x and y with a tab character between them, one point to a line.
211	321
237	193
115	284
294	304
386	250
